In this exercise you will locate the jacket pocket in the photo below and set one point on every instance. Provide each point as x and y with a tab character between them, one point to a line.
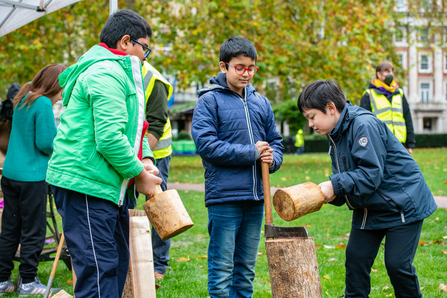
94	159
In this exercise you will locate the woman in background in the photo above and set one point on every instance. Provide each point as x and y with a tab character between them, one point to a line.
23	182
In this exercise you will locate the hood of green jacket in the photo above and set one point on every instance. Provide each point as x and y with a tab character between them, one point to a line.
68	78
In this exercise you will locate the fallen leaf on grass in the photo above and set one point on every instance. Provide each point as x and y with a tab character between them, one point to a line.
444	237
332	260
204	257
340	246
183	259
329	247
421	288
318	245
445	182
326	277
260	253
444	252
69	282
157	286
443	287
390	295
308	226
374	270
385	288
421	242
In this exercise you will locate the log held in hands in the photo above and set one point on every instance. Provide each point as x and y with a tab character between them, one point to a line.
167	214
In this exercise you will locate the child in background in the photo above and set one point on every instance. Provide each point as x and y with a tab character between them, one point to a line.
379	180
23	183
234	130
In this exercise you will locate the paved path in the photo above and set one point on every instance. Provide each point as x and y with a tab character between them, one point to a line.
441	201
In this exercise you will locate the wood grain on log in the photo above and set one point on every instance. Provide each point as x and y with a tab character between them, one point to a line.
167	214
295	201
140	280
293	268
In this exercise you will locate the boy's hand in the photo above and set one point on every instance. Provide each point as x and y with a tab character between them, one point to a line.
149	166
328	191
267	156
262	146
145	183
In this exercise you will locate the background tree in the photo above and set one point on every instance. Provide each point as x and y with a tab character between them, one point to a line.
298	41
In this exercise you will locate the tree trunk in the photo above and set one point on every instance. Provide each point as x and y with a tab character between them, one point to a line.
140	280
293	268
296	201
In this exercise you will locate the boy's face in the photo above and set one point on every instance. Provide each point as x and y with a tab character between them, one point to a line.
235	81
322	123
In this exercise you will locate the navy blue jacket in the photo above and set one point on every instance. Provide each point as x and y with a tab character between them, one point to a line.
225	129
374	174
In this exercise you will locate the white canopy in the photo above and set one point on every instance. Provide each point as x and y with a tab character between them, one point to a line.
17	13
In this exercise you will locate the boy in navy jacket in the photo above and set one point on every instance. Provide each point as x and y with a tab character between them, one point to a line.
379	180
234	129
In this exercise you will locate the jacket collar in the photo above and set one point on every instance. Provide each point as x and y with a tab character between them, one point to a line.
219	83
342	123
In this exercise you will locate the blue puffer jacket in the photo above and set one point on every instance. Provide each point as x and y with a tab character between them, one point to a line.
225	128
374	173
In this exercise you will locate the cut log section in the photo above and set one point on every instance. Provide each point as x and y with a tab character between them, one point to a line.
293	268
295	201
167	214
62	294
140	280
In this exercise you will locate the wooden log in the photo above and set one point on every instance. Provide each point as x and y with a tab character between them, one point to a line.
295	201
293	268
140	280
167	214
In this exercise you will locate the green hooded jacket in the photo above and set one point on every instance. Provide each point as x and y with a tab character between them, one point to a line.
99	137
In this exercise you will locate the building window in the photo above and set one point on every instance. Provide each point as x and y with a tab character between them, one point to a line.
425	92
424	35
428	123
399	35
402	59
424	62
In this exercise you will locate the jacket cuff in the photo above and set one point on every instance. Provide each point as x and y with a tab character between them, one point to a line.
335	183
136	170
257	154
273	166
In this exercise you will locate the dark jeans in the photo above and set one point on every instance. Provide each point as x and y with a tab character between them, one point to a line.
97	236
400	247
299	150
24	216
235	232
160	247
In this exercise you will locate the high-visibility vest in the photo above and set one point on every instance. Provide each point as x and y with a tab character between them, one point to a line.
150	75
392	114
299	138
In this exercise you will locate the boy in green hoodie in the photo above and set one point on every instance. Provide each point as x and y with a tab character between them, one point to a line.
99	149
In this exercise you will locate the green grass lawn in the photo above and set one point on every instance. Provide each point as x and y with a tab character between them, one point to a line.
329	227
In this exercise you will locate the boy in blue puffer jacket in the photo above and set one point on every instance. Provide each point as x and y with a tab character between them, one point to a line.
234	129
379	180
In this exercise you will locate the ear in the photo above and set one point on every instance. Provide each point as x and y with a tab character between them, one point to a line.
332	109
223	67
124	43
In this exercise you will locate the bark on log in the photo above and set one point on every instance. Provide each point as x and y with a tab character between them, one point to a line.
140	280
295	201
293	268
167	214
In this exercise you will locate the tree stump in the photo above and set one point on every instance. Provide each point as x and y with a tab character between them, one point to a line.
296	201
293	268
167	213
140	280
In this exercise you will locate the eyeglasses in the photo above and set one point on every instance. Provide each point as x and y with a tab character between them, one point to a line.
147	51
240	70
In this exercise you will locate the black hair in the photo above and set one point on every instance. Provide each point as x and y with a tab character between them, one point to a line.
318	94
236	46
124	22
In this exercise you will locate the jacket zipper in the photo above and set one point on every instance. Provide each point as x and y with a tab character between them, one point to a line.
402	216
250	132
338	167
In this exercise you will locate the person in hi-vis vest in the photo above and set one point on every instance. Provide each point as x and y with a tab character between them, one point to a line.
157	92
388	102
299	142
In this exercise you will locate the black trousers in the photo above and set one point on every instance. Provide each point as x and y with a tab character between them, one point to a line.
24	216
400	247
